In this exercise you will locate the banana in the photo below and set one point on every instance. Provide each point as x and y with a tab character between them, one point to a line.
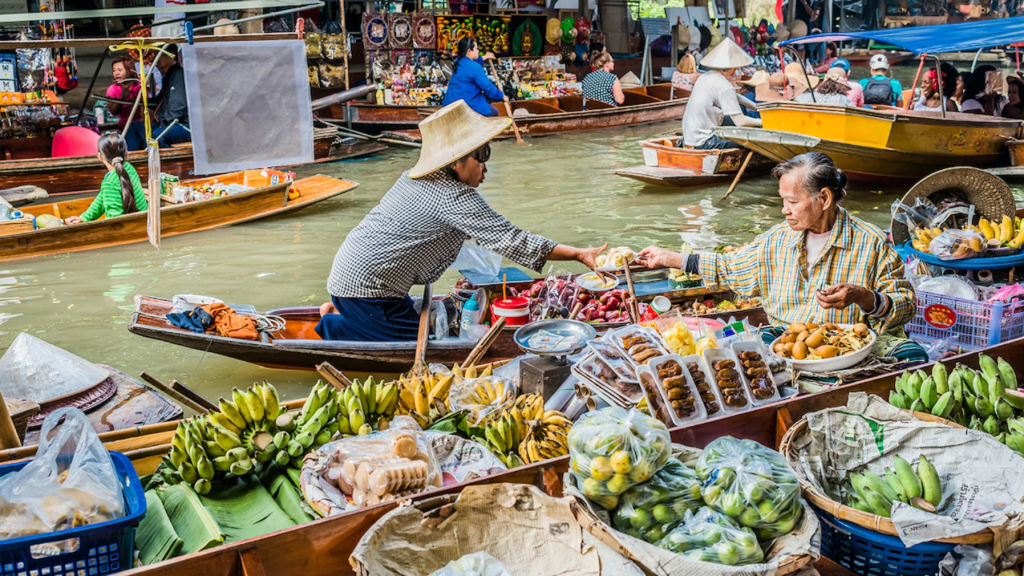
879	485
281	439
240	467
984	407
917	405
929	395
441	389
370	395
255	405
205	468
978	385
178	456
986	229
323	437
956	385
282	458
911	483
364	430
420	398
894	482
304	439
202	486
312	403
225	438
213	449
239	399
913	386
878	504
356	419
944	405
271	401
188	472
941	378
493	436
1009	379
222	464
929	480
238	454
1003	409
230	410
988	365
991	425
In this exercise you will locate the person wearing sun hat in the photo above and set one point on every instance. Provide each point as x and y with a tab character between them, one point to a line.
714	97
856	93
416	231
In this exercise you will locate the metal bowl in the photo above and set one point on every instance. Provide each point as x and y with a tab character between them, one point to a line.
559	326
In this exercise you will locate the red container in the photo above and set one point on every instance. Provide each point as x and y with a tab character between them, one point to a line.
516	311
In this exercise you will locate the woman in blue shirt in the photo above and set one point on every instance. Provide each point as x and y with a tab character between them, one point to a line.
469	82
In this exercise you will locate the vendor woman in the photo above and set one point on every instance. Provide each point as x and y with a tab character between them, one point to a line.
821	265
417	230
469	82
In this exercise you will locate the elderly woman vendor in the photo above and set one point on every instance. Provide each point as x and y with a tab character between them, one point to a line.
416	231
822	264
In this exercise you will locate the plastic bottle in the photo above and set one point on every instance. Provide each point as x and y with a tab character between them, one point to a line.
470	318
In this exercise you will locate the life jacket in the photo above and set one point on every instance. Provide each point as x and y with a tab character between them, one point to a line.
879	92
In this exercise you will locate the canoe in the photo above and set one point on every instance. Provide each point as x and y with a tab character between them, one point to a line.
666	164
860	57
265	200
334	538
80	174
546	115
877	145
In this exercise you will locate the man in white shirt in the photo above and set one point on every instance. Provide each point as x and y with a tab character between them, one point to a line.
714	97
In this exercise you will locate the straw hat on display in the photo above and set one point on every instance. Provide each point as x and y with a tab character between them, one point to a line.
795	72
684	37
797	29
727	55
838	75
781	34
759	77
772	91
452	133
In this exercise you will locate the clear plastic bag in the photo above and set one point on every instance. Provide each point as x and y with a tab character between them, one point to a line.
920	214
473	258
955	244
484	398
711	536
475	564
614	449
651	510
751	483
71	481
555	298
946	285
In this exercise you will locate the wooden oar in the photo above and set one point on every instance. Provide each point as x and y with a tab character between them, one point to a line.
174	394
420	367
736	180
333	376
484	344
508	109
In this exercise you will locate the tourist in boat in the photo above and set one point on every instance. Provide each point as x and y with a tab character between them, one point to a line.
832	91
822	264
831	55
686	73
1014	107
172	106
748	93
879	88
126	87
931	100
982	92
416	231
602	84
856	93
961	88
121	191
469	81
714	98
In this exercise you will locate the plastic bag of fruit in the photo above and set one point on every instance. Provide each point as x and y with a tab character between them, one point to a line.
614	449
710	536
751	484
483	398
650	510
955	244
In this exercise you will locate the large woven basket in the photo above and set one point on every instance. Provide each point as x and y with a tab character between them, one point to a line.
843	512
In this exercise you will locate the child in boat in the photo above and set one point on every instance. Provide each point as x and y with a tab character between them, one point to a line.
121	191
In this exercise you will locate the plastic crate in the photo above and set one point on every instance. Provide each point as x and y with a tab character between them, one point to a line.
972	324
104	548
869	553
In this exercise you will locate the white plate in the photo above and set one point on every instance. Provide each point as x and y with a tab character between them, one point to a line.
614	268
829	364
593	285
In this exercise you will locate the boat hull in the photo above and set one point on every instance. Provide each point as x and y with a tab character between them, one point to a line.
666	164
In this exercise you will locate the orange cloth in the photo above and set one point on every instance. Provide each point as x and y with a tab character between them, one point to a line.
230	323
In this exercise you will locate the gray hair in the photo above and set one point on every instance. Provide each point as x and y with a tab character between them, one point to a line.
819	171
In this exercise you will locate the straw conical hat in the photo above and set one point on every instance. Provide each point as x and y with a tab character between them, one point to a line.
797	29
727	55
796	74
451	133
35	370
629	80
759	77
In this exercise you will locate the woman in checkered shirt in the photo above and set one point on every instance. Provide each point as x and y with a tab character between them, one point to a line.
417	230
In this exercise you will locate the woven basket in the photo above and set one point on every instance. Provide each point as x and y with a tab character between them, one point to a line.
864	519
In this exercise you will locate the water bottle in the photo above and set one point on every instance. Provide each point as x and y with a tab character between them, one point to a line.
470	318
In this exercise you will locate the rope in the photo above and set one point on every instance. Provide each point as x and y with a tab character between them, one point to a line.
268	324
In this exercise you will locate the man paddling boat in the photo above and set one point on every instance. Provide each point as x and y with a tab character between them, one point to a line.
417	230
714	98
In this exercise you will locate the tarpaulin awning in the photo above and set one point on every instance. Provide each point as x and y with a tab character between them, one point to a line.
967	36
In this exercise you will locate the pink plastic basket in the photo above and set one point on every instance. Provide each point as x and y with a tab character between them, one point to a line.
971	324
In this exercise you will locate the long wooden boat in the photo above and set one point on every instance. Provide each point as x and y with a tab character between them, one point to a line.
266	199
333	539
80	174
666	164
545	116
878	145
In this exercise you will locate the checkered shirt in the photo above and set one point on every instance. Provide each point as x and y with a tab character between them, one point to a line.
415	234
774	266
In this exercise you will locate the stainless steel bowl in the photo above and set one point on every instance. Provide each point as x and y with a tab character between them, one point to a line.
559	326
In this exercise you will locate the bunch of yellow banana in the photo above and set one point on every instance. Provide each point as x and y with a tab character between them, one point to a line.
1007	232
546	438
502	438
923	237
424	398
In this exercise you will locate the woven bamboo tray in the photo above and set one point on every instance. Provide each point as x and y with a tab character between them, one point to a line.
863	519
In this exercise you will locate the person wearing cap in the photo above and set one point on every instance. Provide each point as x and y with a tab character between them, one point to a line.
831	92
714	98
171	105
880	89
416	231
856	93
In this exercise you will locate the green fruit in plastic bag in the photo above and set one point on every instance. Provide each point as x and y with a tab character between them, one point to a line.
727	553
654	534
641	472
618	484
769	510
711	494
732	504
750	517
664	514
592	488
607	502
641	519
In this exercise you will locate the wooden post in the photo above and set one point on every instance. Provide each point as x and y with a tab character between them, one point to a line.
170	391
8	435
484	344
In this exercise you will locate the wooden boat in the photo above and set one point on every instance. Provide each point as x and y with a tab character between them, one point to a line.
334	538
80	174
266	199
861	57
546	116
666	164
878	144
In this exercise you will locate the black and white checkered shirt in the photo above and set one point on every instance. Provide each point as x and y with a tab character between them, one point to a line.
415	234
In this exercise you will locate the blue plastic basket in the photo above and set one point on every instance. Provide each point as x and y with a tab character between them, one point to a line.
103	548
869	553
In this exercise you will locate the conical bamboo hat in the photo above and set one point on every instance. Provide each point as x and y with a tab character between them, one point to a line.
35	370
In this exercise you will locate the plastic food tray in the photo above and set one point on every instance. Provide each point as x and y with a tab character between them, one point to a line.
711	355
617	336
600	388
699	361
755	346
700	413
614	358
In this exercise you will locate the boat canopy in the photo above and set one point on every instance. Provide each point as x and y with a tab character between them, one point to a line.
966	36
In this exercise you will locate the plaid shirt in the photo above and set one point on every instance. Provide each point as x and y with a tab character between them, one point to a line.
415	234
774	266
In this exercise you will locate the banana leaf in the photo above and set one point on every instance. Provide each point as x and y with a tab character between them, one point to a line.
243	509
288	498
155	537
193	523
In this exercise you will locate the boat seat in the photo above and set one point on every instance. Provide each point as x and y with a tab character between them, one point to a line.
370	347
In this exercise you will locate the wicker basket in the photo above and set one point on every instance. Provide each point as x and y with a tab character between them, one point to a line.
864	519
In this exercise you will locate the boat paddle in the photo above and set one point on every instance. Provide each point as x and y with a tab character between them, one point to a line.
739	174
508	109
420	366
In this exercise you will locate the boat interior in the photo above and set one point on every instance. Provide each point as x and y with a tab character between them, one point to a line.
562	104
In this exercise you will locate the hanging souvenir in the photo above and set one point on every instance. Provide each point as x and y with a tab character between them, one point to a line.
491	33
527	40
568	27
451	29
312	40
553	37
400	31
375	31
333	45
582	29
424	31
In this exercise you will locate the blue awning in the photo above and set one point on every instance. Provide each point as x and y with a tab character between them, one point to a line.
966	36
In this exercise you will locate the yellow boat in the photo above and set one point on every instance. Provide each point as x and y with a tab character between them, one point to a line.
879	144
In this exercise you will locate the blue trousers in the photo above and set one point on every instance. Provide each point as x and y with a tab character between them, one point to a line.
135	138
370	319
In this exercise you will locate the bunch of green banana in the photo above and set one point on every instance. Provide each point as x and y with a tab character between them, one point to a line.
316	423
875	495
502	436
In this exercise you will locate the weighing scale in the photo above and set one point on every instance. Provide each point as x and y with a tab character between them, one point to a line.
546	373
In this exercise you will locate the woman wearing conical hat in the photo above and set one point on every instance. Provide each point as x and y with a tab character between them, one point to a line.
417	230
714	97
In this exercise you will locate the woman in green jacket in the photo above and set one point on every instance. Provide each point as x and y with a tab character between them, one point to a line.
121	191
